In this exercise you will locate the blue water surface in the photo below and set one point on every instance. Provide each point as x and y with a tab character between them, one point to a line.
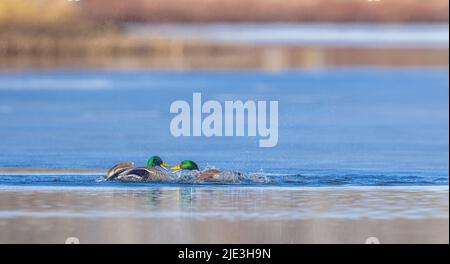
363	127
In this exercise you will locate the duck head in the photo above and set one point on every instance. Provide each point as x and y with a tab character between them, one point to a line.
156	161
185	165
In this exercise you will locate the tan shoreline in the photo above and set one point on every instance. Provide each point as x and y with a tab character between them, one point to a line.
49	171
179	55
225	215
314	231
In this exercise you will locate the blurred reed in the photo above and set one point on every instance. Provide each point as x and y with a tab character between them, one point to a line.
53	33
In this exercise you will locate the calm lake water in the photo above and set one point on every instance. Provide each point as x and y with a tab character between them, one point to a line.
360	153
336	127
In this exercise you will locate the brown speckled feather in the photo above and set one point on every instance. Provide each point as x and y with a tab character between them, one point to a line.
117	169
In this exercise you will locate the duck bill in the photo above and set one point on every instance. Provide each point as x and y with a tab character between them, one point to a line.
164	166
176	168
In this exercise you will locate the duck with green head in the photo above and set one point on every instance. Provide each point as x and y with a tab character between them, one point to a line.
206	175
150	172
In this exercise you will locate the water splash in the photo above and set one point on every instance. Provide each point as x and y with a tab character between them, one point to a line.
306	178
190	177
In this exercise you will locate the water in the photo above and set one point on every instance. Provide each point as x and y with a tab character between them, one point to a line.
295	34
364	127
207	214
200	203
361	152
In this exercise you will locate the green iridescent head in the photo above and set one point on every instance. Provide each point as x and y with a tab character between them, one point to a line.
186	165
156	161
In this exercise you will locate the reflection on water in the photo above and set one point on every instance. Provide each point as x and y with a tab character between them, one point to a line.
199	214
230	203
299	34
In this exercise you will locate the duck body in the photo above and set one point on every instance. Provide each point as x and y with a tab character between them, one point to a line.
127	171
118	169
143	174
209	174
219	176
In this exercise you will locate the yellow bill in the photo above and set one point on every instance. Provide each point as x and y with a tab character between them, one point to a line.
164	165
176	168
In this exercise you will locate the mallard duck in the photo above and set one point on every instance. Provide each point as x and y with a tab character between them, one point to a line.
117	169
126	170
208	174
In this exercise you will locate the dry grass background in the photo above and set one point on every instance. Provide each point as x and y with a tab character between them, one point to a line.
46	12
36	11
268	10
59	33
